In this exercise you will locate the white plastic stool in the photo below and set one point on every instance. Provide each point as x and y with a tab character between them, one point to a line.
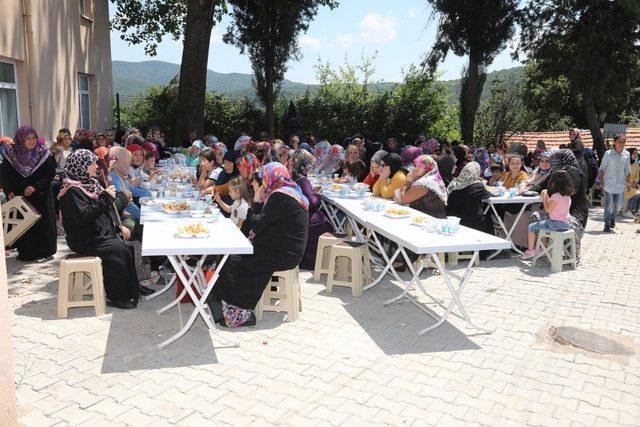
323	251
454	257
560	249
286	296
360	266
81	277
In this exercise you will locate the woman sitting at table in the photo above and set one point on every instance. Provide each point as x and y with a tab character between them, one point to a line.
391	178
466	193
425	190
222	183
409	154
300	163
247	164
120	164
540	174
514	174
324	161
374	169
279	237
354	168
193	154
90	225
208	170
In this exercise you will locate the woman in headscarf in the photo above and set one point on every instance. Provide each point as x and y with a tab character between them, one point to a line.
460	153
466	193
307	147
374	169
430	147
279	237
565	160
247	164
409	154
28	170
354	168
91	228
391	178
193	156
324	161
263	152
481	157
281	152
300	163
337	159
540	173
393	146
103	161
241	143
119	174
61	149
425	189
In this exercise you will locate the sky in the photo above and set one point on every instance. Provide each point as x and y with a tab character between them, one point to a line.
398	32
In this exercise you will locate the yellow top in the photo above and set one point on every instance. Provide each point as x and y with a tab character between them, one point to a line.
509	182
633	179
386	187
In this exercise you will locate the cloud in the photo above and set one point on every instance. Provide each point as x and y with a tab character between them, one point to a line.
374	29
312	43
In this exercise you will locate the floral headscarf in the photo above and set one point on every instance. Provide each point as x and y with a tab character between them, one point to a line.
337	153
276	179
262	149
150	147
220	148
481	156
24	160
431	179
470	174
324	162
301	163
564	160
409	154
248	162
306	147
430	147
241	143
77	174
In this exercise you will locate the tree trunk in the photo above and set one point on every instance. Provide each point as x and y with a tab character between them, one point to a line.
594	124
472	84
193	69
269	101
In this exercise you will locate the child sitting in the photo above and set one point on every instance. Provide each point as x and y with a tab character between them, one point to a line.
239	209
556	201
497	170
149	165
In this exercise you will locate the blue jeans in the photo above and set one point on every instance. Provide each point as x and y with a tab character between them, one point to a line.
549	225
612	204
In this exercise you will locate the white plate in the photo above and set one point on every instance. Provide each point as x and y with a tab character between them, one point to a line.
388	215
192	236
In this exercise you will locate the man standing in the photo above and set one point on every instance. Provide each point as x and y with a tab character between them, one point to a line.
614	175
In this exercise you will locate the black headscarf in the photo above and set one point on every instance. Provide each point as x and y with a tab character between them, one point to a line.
394	161
564	159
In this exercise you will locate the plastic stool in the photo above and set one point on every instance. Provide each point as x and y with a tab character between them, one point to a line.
286	296
454	257
360	263
560	249
322	254
81	277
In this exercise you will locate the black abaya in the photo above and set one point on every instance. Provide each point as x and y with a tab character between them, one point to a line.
40	241
280	229
90	230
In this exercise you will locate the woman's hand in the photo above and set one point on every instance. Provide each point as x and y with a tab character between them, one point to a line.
217	197
385	172
126	233
29	191
136	182
317	189
257	192
111	190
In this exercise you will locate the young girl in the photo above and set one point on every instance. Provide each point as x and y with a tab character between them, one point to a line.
557	201
240	207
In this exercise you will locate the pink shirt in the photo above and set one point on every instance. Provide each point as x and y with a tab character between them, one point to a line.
560	211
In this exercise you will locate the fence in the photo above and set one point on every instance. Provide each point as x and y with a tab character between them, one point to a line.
124	100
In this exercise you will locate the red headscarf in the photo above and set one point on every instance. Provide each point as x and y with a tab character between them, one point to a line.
134	147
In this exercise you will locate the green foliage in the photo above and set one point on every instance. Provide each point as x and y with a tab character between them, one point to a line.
223	117
344	104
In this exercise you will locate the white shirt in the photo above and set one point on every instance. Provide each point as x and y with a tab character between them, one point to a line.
215	173
239	210
616	168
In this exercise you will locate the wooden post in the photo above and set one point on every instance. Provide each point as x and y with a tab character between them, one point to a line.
8	415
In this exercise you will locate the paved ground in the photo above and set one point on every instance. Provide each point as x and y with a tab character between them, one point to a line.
346	360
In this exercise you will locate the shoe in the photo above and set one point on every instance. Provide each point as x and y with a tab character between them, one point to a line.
528	254
124	305
629	214
612	223
144	291
607	229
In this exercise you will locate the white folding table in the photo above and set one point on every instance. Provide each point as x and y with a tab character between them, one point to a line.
503	200
158	239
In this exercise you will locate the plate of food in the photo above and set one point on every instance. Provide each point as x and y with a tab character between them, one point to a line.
175	207
397	213
193	230
419	221
335	188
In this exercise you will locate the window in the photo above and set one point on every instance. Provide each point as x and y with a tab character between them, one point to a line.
8	100
85	101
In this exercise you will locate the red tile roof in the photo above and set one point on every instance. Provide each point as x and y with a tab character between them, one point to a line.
554	139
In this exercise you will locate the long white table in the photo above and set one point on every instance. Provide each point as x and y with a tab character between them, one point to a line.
503	200
158	239
425	245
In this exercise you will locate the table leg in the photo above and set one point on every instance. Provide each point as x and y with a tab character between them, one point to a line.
332	214
509	232
388	263
163	290
455	293
199	303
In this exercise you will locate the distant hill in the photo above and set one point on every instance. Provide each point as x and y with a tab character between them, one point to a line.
134	77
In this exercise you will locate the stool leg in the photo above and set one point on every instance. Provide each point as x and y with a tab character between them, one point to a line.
98	289
63	292
260	306
366	264
356	276
330	274
320	259
453	259
557	251
292	300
